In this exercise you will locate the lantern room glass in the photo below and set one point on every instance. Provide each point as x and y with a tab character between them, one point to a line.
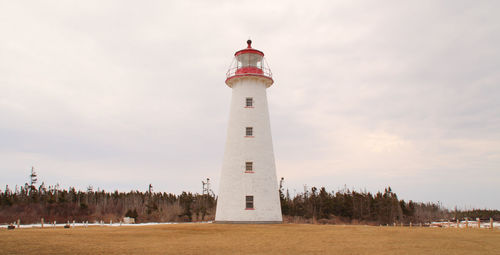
249	60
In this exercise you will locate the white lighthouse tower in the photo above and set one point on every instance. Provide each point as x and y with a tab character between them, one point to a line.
248	190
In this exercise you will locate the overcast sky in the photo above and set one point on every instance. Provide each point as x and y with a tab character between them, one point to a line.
367	94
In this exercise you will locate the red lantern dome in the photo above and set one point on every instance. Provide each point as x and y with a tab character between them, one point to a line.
249	62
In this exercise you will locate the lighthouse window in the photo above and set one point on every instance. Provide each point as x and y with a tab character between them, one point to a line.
249	202
249	102
249	166
249	131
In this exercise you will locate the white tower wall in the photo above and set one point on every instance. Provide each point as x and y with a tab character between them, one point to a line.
235	182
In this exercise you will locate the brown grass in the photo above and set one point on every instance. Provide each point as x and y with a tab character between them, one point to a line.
249	239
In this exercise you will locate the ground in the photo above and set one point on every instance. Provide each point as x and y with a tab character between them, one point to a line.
249	239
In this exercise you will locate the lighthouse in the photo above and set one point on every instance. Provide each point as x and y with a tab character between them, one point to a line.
248	191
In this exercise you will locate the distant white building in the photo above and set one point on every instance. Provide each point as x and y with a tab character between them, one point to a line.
248	190
128	220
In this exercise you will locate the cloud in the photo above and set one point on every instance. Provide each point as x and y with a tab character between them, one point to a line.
122	94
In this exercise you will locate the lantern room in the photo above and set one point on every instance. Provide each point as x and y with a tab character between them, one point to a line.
249	62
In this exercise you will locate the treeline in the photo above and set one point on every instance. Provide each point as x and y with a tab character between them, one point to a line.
353	207
349	206
31	202
477	213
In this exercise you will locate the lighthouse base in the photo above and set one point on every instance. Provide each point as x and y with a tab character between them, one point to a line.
246	222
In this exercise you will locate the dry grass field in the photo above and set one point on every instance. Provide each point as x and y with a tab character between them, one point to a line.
249	239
